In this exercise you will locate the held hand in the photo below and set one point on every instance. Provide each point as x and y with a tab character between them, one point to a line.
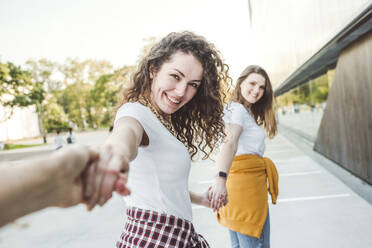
218	194
105	177
67	167
204	199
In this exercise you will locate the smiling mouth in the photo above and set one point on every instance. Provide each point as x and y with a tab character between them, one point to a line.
172	100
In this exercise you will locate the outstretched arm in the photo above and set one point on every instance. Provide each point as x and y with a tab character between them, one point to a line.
200	199
119	149
54	180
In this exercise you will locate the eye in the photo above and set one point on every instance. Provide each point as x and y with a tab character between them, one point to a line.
195	85
262	87
175	76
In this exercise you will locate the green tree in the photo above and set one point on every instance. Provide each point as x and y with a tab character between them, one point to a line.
18	89
79	78
54	118
105	92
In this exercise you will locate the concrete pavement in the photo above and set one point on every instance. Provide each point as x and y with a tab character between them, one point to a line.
315	209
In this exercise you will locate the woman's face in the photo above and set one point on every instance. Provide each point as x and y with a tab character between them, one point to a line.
176	82
253	88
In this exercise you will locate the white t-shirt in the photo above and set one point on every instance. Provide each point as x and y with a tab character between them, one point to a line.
252	138
58	141
158	176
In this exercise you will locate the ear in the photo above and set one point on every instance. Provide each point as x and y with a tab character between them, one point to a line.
151	71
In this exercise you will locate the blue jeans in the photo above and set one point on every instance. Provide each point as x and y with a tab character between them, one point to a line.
239	240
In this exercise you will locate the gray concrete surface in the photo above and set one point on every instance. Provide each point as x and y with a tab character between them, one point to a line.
315	209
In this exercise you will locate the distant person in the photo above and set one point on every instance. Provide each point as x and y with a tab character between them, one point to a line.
58	140
111	128
172	111
244	174
70	137
52	180
45	133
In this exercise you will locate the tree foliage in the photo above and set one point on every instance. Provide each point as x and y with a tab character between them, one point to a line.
82	93
17	87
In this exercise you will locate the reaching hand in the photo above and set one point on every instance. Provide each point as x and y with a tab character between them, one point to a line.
217	194
104	177
67	167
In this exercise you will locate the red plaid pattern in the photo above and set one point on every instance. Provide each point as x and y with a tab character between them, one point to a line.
150	229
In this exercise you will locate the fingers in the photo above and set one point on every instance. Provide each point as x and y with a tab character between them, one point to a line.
117	163
219	200
88	180
120	186
107	176
210	193
105	155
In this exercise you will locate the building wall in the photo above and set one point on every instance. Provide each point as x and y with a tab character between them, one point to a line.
22	124
286	33
345	132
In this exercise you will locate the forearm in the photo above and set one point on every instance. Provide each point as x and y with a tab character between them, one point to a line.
195	198
24	189
225	157
126	139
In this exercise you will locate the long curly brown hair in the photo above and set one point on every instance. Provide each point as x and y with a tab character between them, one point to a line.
263	110
198	124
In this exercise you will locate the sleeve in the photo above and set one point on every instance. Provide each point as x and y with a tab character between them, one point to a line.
234	114
138	112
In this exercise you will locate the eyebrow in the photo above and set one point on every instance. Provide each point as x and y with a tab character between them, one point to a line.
183	75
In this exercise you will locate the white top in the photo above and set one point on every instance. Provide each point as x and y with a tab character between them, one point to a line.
58	141
158	177
72	136
252	138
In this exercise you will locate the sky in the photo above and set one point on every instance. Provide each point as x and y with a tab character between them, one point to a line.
115	30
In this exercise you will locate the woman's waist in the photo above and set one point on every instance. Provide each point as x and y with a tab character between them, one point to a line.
248	163
180	207
157	216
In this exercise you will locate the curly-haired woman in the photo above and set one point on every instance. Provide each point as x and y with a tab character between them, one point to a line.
173	110
246	213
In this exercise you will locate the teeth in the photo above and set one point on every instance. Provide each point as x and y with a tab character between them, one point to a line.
174	101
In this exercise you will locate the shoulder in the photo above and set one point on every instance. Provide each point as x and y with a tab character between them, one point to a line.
234	107
132	109
132	106
138	112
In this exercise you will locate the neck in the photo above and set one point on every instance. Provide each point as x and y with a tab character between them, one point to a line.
247	105
156	107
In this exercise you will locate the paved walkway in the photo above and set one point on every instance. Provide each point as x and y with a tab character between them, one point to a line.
315	209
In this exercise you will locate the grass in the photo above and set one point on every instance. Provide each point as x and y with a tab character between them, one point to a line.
17	146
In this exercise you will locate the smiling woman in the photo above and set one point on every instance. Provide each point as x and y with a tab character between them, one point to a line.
176	83
173	110
244	172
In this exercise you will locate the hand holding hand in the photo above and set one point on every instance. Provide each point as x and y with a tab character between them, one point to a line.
67	167
217	194
104	178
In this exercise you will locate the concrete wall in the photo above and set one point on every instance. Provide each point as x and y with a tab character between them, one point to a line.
22	124
345	132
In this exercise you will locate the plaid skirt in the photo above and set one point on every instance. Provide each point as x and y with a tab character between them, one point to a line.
150	229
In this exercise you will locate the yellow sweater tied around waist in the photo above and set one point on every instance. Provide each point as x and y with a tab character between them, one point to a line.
250	178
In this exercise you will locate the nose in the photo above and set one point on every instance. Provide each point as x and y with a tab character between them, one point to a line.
181	89
256	89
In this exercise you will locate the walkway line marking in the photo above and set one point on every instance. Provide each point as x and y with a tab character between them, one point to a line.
321	197
300	173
